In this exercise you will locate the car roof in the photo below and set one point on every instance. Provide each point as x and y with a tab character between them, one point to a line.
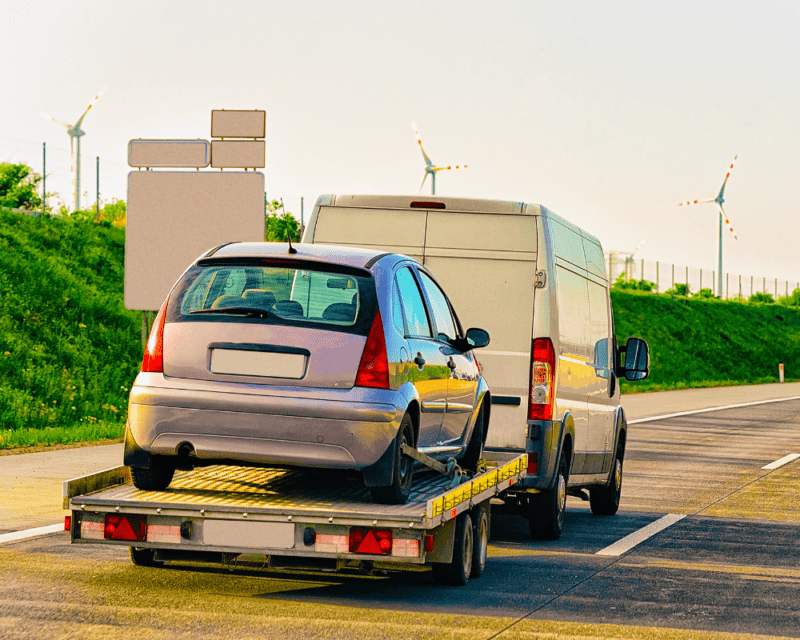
349	256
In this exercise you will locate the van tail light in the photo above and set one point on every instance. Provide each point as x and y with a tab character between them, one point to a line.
154	350
373	370
543	368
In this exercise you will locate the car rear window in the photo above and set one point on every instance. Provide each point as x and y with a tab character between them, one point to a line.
276	292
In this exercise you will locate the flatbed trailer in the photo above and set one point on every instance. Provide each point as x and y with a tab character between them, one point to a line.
293	519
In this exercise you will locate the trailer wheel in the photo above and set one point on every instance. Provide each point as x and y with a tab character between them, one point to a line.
605	500
156	478
402	474
472	456
144	557
546	509
480	542
458	571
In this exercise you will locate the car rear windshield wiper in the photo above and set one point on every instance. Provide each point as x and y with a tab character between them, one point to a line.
255	312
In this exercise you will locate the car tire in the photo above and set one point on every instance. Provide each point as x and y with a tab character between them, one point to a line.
403	468
480	542
144	557
604	501
547	509
156	478
457	572
474	452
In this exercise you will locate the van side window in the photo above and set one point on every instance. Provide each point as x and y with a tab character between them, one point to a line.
413	307
598	309
440	308
574	317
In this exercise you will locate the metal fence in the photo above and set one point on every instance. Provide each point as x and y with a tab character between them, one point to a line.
665	275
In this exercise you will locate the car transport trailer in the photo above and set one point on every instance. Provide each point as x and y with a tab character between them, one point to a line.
293	519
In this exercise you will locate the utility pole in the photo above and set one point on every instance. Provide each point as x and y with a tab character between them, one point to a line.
719	282
97	215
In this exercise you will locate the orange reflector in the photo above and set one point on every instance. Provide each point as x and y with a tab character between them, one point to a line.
452	514
371	541
67	523
125	527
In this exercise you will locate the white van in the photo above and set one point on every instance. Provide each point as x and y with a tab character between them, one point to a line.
538	284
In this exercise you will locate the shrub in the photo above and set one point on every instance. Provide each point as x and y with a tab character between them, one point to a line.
679	289
761	298
706	294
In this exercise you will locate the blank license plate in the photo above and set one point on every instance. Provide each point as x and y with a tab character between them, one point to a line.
250	535
268	364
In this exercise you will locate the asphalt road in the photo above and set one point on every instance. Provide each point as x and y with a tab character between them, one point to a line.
731	563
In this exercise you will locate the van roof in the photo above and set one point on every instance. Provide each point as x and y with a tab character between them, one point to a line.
470	205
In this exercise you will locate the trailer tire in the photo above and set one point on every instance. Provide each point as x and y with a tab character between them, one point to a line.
402	474
480	542
474	452
546	509
144	557
156	478
458	571
605	500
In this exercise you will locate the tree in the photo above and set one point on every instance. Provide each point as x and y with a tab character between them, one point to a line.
18	184
277	226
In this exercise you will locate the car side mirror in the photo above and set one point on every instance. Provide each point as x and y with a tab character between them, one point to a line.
637	360
475	339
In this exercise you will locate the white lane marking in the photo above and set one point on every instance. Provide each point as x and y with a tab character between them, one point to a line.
31	533
637	537
727	406
782	461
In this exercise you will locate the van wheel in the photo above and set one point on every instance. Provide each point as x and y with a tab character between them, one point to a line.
403	471
156	478
470	459
457	572
144	557
605	500
480	542
547	508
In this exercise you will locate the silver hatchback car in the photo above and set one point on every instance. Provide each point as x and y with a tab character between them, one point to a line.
307	356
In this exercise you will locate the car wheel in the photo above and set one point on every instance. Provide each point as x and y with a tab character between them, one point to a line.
547	508
458	571
474	452
156	478
480	542
403	470
144	557
605	500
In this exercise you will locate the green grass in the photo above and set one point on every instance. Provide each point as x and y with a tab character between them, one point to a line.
705	343
69	350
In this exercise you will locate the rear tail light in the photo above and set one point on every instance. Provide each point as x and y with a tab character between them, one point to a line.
67	523
371	541
154	351
543	367
373	370
128	527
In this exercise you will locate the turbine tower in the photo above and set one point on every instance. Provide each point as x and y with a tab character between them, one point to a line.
75	134
722	215
430	169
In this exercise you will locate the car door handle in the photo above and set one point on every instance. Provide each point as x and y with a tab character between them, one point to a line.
419	360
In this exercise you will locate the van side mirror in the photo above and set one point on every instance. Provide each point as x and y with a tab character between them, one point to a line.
637	360
474	339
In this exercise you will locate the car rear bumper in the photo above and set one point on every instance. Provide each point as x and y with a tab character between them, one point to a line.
337	429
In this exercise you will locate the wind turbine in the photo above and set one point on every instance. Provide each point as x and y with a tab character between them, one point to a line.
722	215
75	134
430	169
629	266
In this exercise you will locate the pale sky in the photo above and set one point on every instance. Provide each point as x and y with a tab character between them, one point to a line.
609	113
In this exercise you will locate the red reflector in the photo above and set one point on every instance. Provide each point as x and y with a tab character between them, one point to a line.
373	370
125	527
67	523
427	204
372	541
154	350
428	543
533	463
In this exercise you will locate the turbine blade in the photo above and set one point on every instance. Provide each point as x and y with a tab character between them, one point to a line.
727	175
91	104
47	116
728	222
419	140
423	182
688	202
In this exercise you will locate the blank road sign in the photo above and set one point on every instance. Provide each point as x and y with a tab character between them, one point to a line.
176	216
169	153
238	124
237	154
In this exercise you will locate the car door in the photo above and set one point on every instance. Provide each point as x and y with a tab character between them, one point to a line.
428	368
463	380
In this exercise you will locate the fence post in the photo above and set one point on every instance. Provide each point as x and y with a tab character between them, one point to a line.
701	279
657	276
641	274
687	278
673	276
727	277
751	285
776	288
740	285
713	281
764	285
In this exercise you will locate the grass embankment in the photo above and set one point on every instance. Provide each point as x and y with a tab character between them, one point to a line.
706	343
69	350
